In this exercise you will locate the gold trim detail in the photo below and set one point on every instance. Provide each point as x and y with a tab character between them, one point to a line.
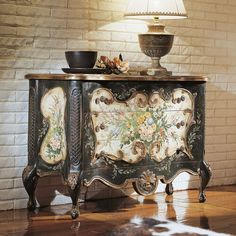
133	14
108	183
134	76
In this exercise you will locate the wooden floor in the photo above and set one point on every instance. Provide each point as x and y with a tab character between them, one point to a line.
218	213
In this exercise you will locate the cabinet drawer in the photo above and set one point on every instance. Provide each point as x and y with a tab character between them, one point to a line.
143	125
180	99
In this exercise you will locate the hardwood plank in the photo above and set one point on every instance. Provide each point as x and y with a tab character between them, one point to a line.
218	213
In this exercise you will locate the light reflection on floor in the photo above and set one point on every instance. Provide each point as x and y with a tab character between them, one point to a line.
100	217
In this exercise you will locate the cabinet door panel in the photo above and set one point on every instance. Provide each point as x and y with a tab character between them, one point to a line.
53	147
141	125
52	123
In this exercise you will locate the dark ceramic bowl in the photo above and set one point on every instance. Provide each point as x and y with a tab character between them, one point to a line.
81	59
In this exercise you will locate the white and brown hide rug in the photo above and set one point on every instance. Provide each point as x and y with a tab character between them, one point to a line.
157	227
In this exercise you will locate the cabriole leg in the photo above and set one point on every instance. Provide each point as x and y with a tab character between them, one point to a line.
205	175
74	185
30	180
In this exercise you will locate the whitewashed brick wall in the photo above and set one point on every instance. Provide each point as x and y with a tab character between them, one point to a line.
33	37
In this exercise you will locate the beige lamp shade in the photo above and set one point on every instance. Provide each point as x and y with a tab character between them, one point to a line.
156	43
149	9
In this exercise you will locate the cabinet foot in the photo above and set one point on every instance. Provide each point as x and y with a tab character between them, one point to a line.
202	197
205	175
31	205
30	180
74	185
169	189
74	212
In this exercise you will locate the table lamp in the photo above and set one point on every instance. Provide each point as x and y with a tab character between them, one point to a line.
156	42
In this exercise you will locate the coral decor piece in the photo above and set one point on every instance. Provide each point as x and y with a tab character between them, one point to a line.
116	66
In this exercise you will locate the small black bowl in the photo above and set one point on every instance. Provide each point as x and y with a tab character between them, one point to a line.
81	59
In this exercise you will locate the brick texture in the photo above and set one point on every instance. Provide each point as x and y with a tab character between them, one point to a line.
34	35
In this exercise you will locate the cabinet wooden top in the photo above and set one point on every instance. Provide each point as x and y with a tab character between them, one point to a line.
112	77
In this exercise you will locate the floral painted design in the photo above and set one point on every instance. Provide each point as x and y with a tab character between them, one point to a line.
143	125
55	143
146	126
53	148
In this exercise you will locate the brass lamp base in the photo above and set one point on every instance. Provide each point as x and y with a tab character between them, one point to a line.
156	72
156	43
156	69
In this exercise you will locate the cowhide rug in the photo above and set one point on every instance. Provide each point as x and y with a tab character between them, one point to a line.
154	226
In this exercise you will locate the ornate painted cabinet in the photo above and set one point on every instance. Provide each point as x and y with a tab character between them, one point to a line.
115	129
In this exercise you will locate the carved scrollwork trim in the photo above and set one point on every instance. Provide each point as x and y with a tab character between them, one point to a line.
73	179
124	94
146	183
75	132
166	95
32	125
87	183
